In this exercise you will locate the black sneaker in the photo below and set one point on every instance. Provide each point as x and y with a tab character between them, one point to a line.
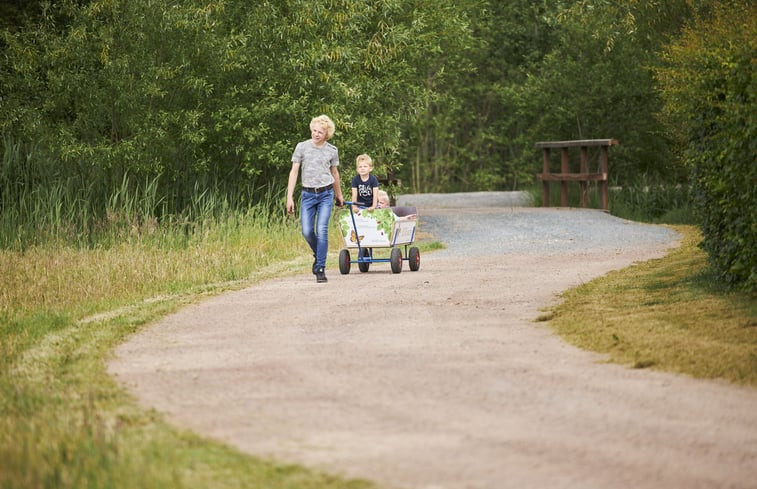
315	260
320	276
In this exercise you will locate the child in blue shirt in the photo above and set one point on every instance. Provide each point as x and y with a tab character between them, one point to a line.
364	185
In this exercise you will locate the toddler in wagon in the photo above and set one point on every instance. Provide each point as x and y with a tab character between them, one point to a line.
364	185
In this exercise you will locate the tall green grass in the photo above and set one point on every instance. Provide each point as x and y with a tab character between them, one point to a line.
46	202
66	213
652	201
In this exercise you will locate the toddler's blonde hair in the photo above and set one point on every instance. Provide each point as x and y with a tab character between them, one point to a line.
364	158
383	196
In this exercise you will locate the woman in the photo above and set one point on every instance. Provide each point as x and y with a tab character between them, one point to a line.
320	185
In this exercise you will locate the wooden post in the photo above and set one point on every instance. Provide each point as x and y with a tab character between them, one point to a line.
604	184
584	170
545	183
564	169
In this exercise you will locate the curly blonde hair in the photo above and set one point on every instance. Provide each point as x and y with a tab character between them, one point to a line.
325	122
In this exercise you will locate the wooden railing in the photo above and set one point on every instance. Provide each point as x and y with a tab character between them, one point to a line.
583	177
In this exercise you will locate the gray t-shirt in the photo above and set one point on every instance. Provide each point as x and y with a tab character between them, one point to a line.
316	163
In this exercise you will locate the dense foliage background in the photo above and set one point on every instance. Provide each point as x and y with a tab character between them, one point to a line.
116	111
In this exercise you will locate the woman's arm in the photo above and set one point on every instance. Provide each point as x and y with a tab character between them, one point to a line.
290	186
337	186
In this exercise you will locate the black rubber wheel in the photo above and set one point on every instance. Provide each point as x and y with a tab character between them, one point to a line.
364	266
344	262
396	260
414	259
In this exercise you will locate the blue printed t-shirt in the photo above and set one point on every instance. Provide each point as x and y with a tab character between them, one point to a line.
365	189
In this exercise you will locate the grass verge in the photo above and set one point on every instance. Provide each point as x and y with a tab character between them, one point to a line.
64	422
665	314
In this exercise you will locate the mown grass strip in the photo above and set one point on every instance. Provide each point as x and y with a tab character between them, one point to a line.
665	314
64	422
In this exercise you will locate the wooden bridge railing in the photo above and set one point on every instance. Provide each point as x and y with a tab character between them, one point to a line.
583	177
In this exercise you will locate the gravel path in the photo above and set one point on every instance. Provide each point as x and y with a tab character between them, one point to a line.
440	379
538	231
493	223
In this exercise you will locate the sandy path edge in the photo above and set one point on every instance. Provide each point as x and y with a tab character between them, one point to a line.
438	379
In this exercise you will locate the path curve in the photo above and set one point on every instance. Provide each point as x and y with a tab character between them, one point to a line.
440	379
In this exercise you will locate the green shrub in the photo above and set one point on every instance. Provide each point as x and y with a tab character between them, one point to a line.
709	84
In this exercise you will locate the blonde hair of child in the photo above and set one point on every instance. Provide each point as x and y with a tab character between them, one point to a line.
364	158
383	197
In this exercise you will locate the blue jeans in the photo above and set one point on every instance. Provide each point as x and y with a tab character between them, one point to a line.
315	212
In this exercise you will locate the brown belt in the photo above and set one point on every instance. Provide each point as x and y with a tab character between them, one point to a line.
318	190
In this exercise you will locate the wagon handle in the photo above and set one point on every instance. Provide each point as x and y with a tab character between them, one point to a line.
349	203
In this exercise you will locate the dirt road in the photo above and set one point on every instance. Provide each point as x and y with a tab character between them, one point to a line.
440	379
